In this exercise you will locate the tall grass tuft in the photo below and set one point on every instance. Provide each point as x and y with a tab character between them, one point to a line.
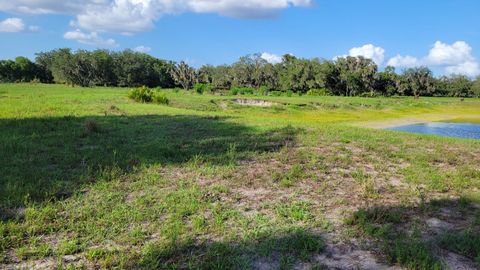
160	98
91	126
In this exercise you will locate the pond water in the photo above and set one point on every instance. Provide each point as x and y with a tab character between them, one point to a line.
458	130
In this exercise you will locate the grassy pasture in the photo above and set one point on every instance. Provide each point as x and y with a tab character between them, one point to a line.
91	179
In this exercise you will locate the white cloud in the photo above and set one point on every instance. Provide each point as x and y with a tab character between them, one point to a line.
444	54
377	54
128	16
142	49
456	58
271	58
12	25
33	28
469	68
244	8
121	16
90	38
47	6
403	61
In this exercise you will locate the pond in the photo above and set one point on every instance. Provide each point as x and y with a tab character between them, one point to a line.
458	130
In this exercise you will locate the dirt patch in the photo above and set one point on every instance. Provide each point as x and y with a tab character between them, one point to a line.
11	213
347	258
255	102
455	261
439	225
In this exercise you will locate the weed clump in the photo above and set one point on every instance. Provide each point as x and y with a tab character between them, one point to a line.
91	126
160	98
289	178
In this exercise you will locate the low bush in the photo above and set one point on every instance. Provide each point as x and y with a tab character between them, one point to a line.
201	88
160	98
241	91
262	91
319	92
147	95
275	93
141	94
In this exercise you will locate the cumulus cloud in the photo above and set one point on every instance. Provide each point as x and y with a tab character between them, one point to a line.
245	8
445	54
47	6
142	49
127	16
469	68
377	54
271	58
456	58
121	16
90	38
12	25
403	61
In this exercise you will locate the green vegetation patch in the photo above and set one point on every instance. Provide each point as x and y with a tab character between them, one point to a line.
92	176
407	249
466	243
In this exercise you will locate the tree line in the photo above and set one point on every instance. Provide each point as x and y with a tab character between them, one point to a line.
345	76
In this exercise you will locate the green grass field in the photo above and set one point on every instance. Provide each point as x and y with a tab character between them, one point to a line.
91	179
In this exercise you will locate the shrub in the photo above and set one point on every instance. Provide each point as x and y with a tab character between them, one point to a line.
234	91
241	91
275	93
147	95
141	94
319	92
160	98
201	88
262	91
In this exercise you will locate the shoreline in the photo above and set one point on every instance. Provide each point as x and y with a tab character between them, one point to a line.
392	123
397	122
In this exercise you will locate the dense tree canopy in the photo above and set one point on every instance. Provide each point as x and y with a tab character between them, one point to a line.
100	67
417	82
476	87
345	76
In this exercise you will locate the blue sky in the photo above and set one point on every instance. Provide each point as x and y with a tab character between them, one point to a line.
442	34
